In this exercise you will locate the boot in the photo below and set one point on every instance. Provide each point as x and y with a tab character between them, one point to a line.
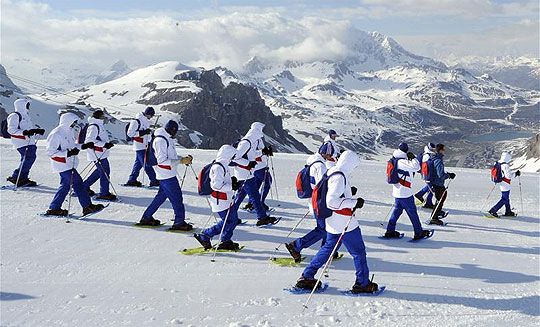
336	255
266	208
239	221
419	198
229	246
424	234
307	283
154	183
134	183
392	234
292	250
493	213
12	180
436	221
369	288
201	239
428	206
27	183
266	221
107	197
149	222
91	193
510	214
92	208
248	206
56	212
183	226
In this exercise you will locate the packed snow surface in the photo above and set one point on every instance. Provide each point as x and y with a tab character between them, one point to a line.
102	271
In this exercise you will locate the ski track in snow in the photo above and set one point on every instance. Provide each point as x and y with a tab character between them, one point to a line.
101	271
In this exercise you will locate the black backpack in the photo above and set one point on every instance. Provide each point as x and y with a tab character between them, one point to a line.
4	126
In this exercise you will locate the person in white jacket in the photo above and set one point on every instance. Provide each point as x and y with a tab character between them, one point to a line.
97	146
317	169
505	186
63	151
329	149
166	173
407	165
429	151
221	200
22	132
244	163
343	204
141	134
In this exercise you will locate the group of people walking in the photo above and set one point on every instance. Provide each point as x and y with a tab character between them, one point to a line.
239	171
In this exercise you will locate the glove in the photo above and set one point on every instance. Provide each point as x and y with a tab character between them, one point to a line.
39	131
27	132
342	150
187	160
108	145
451	175
144	132
359	203
268	151
410	156
518	173
252	164
89	145
235	184
73	152
354	190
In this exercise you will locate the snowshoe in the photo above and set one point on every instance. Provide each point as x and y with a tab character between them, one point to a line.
337	256
133	184
426	233
491	214
436	221
229	246
56	212
510	214
92	208
307	284
201	239
393	234
107	197
287	262
184	227
292	250
22	182
201	250
443	214
154	184
376	293
150	222
268	220
369	288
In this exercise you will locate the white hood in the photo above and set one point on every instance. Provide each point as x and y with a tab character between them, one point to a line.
313	158
225	154
255	132
328	138
68	119
427	150
398	154
20	105
347	162
505	157
92	120
161	131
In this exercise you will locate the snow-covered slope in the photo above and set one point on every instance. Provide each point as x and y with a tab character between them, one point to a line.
101	271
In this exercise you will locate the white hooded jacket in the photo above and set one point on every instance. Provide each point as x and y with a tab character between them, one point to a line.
507	173
316	172
403	189
246	151
167	158
16	127
339	197
220	179
139	142
97	134
60	140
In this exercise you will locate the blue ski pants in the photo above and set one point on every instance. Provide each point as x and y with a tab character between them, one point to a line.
504	201
68	178
139	163
230	222
102	172
168	189
28	157
249	187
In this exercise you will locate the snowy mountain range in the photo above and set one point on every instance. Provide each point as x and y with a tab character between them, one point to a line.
375	97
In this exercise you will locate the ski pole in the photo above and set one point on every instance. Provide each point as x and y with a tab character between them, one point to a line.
206	198
104	172
223	227
387	215
487	199
275	181
293	229
521	195
439	202
69	197
20	168
328	262
144	162
184	177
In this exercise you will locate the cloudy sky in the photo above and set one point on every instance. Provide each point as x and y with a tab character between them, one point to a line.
94	34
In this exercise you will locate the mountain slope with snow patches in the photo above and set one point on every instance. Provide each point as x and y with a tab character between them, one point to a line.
102	271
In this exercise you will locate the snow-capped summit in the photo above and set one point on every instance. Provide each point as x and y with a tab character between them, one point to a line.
118	69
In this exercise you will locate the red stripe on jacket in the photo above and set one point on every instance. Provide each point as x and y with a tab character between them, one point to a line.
22	137
219	195
405	183
165	167
506	180
98	149
345	212
59	159
138	139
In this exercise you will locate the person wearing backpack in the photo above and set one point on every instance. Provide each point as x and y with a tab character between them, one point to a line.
63	151
97	145
315	169
222	187
343	204
244	163
438	177
406	165
22	132
429	151
506	175
166	173
140	133
262	174
329	149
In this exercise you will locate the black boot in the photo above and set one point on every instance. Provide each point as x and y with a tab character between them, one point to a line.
134	183
248	206
424	234
292	250
369	288
229	246
392	234
108	197
183	226
266	208
206	244
429	206
149	222
436	221
268	220
56	212
493	213
510	214
419	198
154	183
307	283
92	208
